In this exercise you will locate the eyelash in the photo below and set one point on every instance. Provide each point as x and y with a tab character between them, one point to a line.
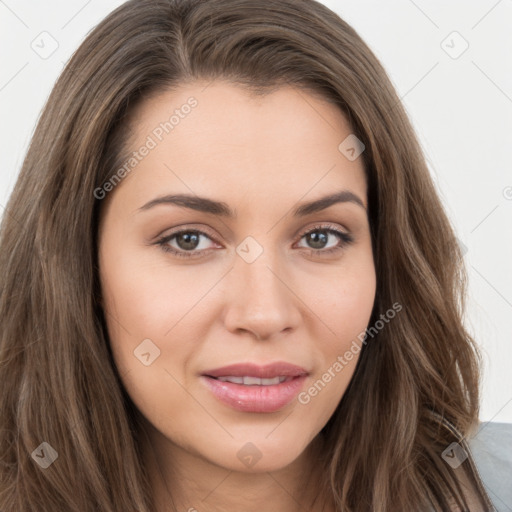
345	240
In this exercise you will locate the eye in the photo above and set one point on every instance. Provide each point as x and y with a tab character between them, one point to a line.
188	243
326	239
194	243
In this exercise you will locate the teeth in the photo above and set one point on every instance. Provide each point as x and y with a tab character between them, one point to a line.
234	380
253	381
270	382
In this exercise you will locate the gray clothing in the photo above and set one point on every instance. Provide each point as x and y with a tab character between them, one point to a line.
491	449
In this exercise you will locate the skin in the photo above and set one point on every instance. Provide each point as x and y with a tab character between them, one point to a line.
262	157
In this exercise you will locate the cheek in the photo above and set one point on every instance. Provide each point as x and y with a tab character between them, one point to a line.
141	309
133	305
152	334
143	298
348	316
343	302
344	309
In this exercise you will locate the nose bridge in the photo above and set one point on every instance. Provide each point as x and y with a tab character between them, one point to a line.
259	298
262	275
258	267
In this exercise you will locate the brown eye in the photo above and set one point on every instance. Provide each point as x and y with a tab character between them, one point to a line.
187	243
187	240
325	240
317	239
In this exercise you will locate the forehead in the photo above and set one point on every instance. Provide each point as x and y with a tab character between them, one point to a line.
222	108
218	138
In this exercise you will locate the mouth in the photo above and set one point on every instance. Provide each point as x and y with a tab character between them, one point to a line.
253	388
248	380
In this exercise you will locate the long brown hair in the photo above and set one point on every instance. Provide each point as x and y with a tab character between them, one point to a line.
58	382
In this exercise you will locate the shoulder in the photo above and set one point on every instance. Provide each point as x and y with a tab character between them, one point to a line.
491	450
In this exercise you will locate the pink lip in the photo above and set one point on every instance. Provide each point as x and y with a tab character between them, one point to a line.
256	398
263	372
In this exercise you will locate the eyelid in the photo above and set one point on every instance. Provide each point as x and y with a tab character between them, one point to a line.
345	238
203	230
163	240
321	226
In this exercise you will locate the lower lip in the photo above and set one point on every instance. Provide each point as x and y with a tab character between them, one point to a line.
255	398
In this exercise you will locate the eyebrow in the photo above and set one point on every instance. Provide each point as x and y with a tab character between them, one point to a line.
203	204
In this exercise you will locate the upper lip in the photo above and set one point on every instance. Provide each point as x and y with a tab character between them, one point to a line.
267	371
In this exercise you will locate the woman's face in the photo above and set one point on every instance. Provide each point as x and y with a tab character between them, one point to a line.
232	292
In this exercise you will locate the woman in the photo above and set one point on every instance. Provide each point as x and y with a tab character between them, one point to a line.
227	280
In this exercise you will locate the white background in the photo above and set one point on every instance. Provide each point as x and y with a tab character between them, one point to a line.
461	108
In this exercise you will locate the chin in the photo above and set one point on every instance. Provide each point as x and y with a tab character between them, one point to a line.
262	451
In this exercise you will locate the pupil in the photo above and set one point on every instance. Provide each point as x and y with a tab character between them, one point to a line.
318	237
188	240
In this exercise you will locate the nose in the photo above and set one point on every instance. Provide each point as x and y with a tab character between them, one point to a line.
260	298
